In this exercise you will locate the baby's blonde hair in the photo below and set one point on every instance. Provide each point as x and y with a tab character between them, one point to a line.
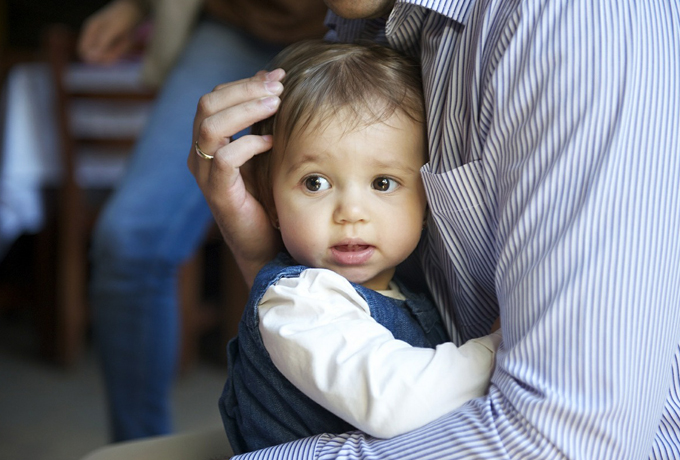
365	82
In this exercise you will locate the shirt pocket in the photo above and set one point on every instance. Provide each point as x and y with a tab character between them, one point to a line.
461	211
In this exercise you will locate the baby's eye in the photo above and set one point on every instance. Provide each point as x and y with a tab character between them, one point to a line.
316	183
384	184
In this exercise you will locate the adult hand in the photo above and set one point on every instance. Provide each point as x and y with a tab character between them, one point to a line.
109	33
225	111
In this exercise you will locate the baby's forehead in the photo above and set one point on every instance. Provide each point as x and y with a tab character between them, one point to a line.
397	138
350	118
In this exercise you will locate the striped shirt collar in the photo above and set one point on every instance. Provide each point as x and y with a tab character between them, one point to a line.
458	10
349	30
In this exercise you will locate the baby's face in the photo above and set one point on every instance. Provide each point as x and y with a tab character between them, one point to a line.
353	202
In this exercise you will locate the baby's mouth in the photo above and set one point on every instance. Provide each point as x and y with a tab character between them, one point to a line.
352	253
351	247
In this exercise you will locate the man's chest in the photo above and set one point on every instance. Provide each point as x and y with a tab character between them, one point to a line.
460	177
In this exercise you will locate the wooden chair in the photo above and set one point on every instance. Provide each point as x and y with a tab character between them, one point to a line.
64	327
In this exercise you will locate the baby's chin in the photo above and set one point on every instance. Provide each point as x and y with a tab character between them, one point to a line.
364	274
368	279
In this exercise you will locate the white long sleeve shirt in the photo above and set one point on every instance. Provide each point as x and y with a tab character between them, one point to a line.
319	333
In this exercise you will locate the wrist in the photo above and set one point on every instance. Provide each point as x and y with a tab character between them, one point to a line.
251	248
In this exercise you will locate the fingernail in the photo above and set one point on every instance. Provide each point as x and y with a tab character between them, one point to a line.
273	87
267	137
270	102
274	75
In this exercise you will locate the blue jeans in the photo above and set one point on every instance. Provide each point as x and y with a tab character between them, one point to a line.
154	221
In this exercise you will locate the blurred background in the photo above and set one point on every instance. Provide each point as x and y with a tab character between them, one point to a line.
63	145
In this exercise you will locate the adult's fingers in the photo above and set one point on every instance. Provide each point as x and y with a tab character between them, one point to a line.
261	85
218	176
223	113
90	39
227	110
225	177
260	76
110	51
103	40
117	50
242	220
226	95
108	33
215	130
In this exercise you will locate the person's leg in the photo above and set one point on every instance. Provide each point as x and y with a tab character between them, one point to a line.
153	222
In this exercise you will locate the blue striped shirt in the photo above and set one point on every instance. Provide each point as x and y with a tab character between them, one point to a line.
554	139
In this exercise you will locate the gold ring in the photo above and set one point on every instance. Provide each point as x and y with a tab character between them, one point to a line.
201	153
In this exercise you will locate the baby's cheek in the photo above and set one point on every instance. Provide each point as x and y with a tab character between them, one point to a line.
301	245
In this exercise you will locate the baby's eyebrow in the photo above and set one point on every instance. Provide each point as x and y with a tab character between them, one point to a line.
379	163
305	159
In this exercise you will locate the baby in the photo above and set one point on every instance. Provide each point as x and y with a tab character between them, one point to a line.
330	340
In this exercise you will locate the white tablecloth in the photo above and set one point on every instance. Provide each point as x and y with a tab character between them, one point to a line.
30	155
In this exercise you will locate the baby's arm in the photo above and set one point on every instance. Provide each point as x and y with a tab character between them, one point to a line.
319	334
